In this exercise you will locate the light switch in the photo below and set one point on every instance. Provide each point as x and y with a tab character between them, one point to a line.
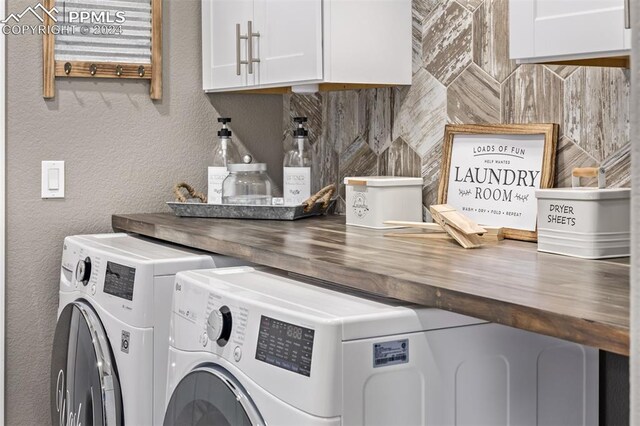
53	179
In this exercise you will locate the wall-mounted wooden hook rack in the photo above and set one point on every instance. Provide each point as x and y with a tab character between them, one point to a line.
86	50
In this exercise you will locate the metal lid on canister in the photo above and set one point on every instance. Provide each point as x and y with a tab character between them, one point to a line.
584	193
578	192
383	181
247	166
254	167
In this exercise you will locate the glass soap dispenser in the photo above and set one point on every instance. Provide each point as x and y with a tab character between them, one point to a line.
224	154
297	166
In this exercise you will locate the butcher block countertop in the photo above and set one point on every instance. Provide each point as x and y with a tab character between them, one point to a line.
505	282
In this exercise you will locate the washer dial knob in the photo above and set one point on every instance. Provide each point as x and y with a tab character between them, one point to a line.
83	271
219	325
214	325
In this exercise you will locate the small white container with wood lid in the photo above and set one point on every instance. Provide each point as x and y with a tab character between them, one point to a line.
373	199
591	223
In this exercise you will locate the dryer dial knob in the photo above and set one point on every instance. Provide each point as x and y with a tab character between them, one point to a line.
219	325
83	271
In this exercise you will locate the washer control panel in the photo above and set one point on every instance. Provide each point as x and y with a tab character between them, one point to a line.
106	276
122	273
119	280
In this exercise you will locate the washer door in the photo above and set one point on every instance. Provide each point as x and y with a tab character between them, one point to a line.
211	396
85	389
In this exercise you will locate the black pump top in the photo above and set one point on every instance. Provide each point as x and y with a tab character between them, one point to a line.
300	131
224	132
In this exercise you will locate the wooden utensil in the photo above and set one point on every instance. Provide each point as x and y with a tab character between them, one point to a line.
493	232
461	228
453	218
421	225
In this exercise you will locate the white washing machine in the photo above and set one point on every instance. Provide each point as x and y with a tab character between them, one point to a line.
255	347
109	356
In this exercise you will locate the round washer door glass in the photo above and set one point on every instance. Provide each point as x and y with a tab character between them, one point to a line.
210	396
84	386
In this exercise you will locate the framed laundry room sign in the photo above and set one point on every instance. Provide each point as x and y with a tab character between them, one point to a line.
115	39
490	173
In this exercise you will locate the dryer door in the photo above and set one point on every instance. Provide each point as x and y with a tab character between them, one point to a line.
211	396
84	385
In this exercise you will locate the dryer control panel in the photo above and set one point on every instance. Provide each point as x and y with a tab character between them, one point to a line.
282	346
212	321
285	345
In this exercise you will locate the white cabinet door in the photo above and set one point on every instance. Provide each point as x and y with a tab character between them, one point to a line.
220	53
578	28
290	43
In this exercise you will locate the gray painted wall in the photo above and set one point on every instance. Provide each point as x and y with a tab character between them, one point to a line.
122	153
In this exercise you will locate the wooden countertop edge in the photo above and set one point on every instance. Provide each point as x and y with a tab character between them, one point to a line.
608	337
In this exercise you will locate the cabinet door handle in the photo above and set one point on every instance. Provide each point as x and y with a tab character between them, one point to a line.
627	14
251	35
239	61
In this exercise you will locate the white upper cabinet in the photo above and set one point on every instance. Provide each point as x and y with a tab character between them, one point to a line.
220	51
290	42
547	30
254	44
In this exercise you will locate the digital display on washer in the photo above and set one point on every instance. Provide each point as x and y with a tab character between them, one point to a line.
285	345
118	280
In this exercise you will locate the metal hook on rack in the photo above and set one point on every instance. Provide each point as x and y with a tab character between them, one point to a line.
93	69
67	68
141	71
119	70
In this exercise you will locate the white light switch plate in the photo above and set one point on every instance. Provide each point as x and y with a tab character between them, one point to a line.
52	179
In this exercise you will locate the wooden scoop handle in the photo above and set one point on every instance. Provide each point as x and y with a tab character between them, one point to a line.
585	172
588	172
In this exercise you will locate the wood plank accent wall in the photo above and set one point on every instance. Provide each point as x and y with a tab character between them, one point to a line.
462	74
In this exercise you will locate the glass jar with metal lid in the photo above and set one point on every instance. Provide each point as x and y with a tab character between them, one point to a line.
247	184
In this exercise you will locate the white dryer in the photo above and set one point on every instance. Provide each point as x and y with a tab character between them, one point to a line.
256	347
109	355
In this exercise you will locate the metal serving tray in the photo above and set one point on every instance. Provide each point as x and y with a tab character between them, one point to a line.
228	211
